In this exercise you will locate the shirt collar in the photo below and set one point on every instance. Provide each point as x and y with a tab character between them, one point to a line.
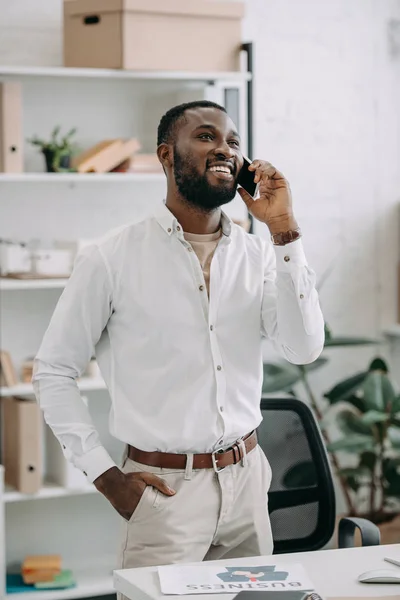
170	224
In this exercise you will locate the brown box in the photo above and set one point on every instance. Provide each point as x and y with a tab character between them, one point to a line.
11	147
171	35
22	444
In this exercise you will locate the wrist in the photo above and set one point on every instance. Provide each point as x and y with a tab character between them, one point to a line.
282	224
107	482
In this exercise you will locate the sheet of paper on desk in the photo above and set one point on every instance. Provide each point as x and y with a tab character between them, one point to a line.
207	579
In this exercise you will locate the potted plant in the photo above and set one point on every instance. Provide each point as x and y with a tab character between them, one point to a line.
285	377
57	151
366	410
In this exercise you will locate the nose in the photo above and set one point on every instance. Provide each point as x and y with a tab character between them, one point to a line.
224	151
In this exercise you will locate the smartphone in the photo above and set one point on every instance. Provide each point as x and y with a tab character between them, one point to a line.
278	595
246	178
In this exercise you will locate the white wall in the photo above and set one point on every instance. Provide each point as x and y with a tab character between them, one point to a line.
327	113
327	91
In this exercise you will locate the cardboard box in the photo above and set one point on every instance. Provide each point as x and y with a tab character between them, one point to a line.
11	145
22	444
173	35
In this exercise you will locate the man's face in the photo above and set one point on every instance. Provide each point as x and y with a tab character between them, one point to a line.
207	158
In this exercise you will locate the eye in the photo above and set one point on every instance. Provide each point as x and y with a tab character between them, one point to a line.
206	136
235	143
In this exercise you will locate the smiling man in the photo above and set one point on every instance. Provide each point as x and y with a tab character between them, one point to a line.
175	307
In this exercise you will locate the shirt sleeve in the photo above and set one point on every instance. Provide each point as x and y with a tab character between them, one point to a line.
291	314
78	321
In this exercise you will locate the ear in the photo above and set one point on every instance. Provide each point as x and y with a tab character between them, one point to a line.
164	153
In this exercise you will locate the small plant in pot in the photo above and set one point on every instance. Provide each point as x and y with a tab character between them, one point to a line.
57	151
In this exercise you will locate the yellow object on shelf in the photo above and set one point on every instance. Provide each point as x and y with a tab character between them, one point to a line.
40	568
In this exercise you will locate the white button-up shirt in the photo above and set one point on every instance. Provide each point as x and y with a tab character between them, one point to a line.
184	371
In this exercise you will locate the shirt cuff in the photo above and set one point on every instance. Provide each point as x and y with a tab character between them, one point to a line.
95	463
290	256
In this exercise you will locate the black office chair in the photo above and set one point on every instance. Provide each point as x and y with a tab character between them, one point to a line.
302	497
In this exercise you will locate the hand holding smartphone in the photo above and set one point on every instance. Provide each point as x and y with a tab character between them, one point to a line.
246	178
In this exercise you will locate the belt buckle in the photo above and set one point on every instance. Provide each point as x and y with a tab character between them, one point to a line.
215	460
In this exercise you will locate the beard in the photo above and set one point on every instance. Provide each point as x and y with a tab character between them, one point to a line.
196	189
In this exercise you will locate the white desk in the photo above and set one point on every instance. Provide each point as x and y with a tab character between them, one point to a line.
333	572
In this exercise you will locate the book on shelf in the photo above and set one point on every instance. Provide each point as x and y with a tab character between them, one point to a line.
22	427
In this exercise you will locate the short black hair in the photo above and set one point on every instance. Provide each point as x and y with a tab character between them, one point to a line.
167	127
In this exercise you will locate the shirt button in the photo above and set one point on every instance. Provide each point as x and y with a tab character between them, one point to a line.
201	287
286	258
190	249
221	442
63	446
211	327
84	472
219	368
221	408
169	229
178	228
301	296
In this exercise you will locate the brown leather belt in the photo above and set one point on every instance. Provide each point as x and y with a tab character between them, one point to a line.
216	460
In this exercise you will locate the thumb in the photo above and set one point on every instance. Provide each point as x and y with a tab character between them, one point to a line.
158	483
247	199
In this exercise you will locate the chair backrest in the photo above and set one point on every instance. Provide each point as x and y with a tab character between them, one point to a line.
301	499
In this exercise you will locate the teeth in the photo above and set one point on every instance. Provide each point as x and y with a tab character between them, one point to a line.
222	169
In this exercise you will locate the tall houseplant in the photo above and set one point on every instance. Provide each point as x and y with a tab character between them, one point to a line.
367	413
284	377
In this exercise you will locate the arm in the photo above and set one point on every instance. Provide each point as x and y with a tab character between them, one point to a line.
291	315
76	326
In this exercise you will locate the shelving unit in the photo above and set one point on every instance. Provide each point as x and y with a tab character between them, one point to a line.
89	583
49	490
25	389
10	285
101	103
184	76
81	177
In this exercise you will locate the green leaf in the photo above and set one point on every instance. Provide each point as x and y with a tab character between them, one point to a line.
300	475
353	483
279	377
396	405
351	423
342	341
354	471
328	332
378	392
317	364
393	434
368	460
378	364
355	443
346	388
374	416
391	473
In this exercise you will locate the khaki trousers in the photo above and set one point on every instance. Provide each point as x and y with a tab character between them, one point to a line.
212	515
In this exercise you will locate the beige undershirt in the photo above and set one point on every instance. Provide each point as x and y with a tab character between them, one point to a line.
204	247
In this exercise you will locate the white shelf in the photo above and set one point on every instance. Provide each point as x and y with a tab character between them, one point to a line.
30	284
90	583
81	177
123	74
86	384
49	490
